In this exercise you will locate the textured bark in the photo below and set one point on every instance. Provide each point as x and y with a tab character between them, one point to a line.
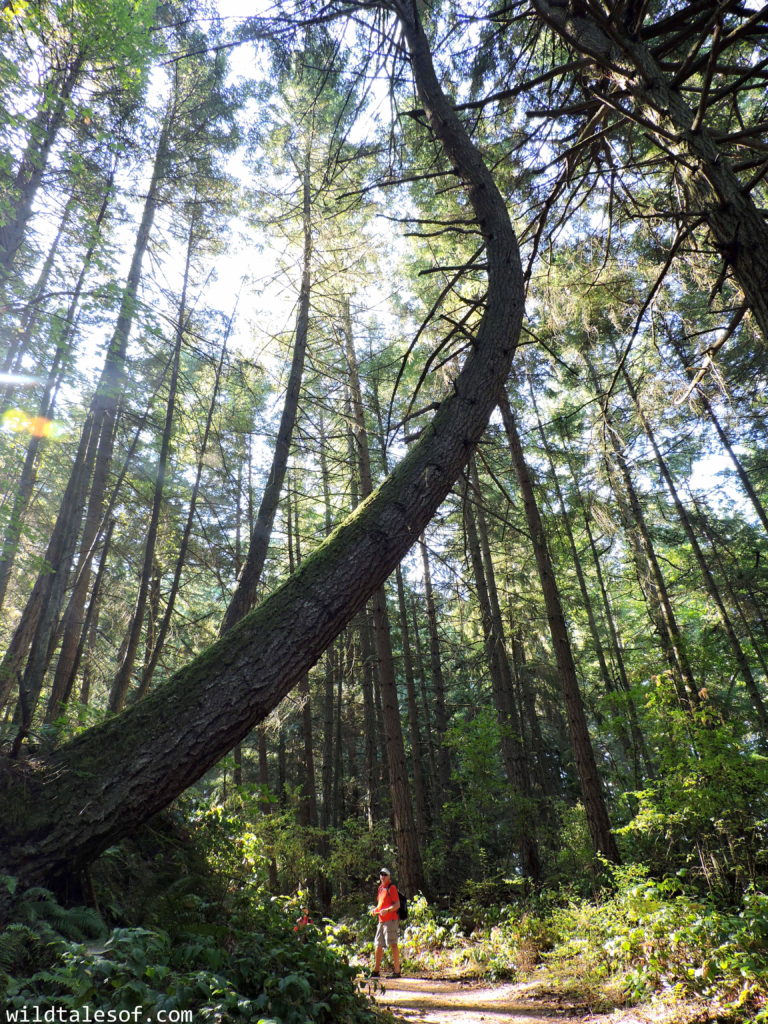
578	730
101	785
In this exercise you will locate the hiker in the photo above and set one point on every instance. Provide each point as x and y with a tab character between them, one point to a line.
387	906
303	921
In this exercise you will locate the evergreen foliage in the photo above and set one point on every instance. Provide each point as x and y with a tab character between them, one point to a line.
571	663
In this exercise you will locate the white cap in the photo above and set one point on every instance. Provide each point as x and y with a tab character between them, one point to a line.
384	871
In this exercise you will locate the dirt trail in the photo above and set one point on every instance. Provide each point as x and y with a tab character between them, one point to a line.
431	1001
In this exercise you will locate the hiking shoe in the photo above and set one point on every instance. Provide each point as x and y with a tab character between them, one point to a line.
373	974
395	974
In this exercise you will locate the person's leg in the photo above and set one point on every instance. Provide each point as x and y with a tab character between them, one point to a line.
395	958
378	956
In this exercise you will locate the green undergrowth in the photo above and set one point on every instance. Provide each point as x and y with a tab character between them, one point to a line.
643	938
173	934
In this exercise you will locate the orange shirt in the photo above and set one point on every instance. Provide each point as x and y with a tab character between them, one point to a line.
387	897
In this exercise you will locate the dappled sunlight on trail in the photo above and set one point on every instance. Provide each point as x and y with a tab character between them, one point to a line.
428	1001
433	1001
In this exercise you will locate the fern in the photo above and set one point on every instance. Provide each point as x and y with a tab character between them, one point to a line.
16	945
39	907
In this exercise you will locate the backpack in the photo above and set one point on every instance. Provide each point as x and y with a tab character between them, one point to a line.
402	911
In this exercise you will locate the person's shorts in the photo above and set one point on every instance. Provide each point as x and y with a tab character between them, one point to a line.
387	933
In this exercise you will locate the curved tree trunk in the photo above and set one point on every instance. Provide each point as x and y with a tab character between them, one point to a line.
103	784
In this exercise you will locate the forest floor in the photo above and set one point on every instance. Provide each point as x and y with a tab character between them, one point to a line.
434	1001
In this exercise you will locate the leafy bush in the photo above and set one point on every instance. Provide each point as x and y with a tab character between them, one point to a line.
653	936
261	970
705	811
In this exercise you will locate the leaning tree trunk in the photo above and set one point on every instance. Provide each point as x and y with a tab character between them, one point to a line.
100	786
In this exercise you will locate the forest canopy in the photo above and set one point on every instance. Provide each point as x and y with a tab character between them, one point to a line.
383	439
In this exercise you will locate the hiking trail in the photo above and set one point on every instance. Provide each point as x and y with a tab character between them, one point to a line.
436	1001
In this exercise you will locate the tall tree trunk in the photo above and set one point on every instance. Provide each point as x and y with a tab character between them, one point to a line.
101	785
425	708
244	595
513	754
649	572
616	646
630	750
548	777
122	679
418	762
709	581
94	457
58	698
442	754
186	536
43	131
581	743
733	597
308	781
61	349
725	440
17	344
49	587
410	869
